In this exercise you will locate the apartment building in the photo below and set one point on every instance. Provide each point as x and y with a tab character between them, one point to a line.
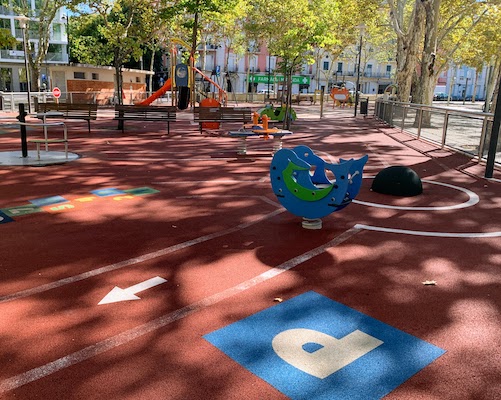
12	61
257	71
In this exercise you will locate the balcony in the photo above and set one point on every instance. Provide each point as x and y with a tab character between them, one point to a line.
17	55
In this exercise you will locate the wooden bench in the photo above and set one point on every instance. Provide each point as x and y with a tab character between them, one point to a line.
221	114
84	111
132	112
304	97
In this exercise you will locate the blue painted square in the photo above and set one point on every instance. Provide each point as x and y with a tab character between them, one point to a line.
4	218
48	201
107	192
370	376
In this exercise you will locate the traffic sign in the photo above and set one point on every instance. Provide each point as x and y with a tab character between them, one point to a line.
56	92
296	79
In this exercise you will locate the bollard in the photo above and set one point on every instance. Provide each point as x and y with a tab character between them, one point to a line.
22	118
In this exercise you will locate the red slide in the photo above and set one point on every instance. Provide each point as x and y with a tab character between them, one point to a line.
160	92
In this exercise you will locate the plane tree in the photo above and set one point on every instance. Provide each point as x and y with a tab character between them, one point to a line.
486	51
292	30
430	33
119	30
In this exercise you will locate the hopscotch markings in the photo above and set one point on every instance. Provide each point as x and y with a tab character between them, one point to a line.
59	204
166	319
47	201
142	191
107	192
57	208
4	218
22	210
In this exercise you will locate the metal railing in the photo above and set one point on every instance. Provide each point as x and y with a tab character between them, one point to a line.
462	130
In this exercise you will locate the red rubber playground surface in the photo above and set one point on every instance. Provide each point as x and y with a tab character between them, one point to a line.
210	264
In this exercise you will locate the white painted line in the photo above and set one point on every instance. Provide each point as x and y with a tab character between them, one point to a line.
132	261
473	199
134	333
432	234
118	294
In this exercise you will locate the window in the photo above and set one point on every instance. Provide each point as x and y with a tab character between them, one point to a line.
95	77
138	79
326	65
5	24
56	31
388	71
6	79
339	67
79	75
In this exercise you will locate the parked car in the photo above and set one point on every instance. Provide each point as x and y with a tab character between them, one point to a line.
265	91
440	96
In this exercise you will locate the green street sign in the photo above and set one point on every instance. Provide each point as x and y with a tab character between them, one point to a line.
300	80
296	79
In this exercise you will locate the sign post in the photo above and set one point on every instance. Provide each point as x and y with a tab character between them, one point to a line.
56	92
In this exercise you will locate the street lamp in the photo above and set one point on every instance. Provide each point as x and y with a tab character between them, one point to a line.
23	23
66	18
269	72
362	29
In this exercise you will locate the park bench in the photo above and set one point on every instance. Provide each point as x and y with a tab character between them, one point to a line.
132	112
298	98
207	115
83	111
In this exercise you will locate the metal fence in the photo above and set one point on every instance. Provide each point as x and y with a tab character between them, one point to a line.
465	131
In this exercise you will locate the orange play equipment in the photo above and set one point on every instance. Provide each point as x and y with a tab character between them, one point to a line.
340	95
160	92
208	102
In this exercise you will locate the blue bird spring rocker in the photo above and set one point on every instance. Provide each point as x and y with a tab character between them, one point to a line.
299	180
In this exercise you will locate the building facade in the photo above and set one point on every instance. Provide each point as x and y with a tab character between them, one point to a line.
12	61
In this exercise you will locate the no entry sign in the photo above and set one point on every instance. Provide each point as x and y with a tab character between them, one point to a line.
56	92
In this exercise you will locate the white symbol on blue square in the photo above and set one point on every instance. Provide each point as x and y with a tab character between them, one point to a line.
107	192
48	201
4	218
311	347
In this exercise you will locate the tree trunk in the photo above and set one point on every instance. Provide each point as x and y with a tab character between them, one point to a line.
152	66
429	71
119	86
496	89
407	47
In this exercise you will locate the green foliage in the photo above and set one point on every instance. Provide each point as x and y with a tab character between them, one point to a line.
88	45
7	41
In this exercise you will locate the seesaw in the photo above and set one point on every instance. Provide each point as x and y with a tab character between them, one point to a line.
299	180
259	130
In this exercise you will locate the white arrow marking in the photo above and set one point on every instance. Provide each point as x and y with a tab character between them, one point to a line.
117	294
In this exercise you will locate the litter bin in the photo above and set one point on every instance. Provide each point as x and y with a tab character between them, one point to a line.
364	106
